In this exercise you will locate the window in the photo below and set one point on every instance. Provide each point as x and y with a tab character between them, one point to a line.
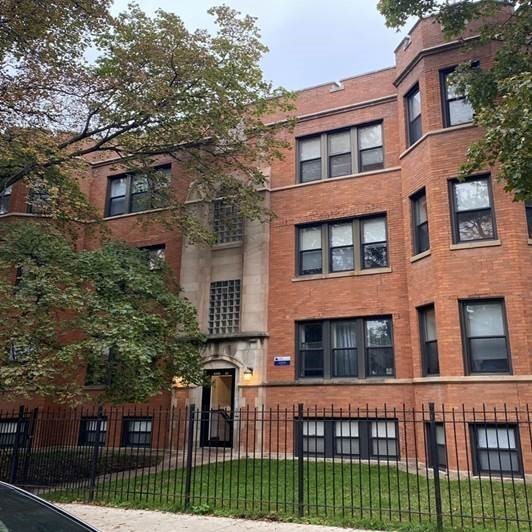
309	159
374	244
38	201
88	429
496	448
136	432
227	222
429	340
100	372
138	192
528	208
370	148
441	449
310	256
314	437
224	309
473	217
5	197
155	256
420	222
413	110
8	432
456	107
485	336
363	438
339	153
330	247
359	347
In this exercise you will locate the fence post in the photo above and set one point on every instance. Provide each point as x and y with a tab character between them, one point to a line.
435	466
16	446
300	463
190	445
95	453
29	443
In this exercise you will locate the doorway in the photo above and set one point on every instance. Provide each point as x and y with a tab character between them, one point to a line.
217	405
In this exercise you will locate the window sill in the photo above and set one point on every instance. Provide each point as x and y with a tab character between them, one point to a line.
354	273
420	256
128	214
478	244
227	245
348	380
95	387
530	241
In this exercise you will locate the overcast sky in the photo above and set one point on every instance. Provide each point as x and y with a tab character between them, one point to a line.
310	41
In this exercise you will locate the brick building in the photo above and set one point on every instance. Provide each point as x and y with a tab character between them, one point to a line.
382	278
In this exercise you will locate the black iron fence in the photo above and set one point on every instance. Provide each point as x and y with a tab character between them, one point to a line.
458	467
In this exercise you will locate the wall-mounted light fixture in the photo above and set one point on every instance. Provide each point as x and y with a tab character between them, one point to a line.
248	373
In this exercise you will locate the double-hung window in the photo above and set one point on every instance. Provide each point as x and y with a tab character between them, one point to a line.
456	107
5	197
473	217
224	307
441	448
362	438
227	222
413	114
485	336
496	448
528	209
39	201
339	153
345	245
356	348
89	430
420	222
8	432
429	340
136	432
137	192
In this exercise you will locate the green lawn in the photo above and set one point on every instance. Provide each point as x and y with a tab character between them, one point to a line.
337	494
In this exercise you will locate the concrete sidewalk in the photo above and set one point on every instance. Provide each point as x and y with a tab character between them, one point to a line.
119	520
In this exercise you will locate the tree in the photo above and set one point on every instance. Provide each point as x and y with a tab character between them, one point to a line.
110	311
154	89
500	95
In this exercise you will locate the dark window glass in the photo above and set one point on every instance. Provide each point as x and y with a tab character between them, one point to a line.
5	197
341	247
413	105
429	340
339	153
485	336
441	448
497	449
137	432
100	372
421	224
227	222
138	192
374	244
310	253
371	151
22	512
310	159
88	430
379	347
311	349
458	109
528	207
473	216
224	307
344	348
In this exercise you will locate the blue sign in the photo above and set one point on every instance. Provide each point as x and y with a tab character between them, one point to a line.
282	361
